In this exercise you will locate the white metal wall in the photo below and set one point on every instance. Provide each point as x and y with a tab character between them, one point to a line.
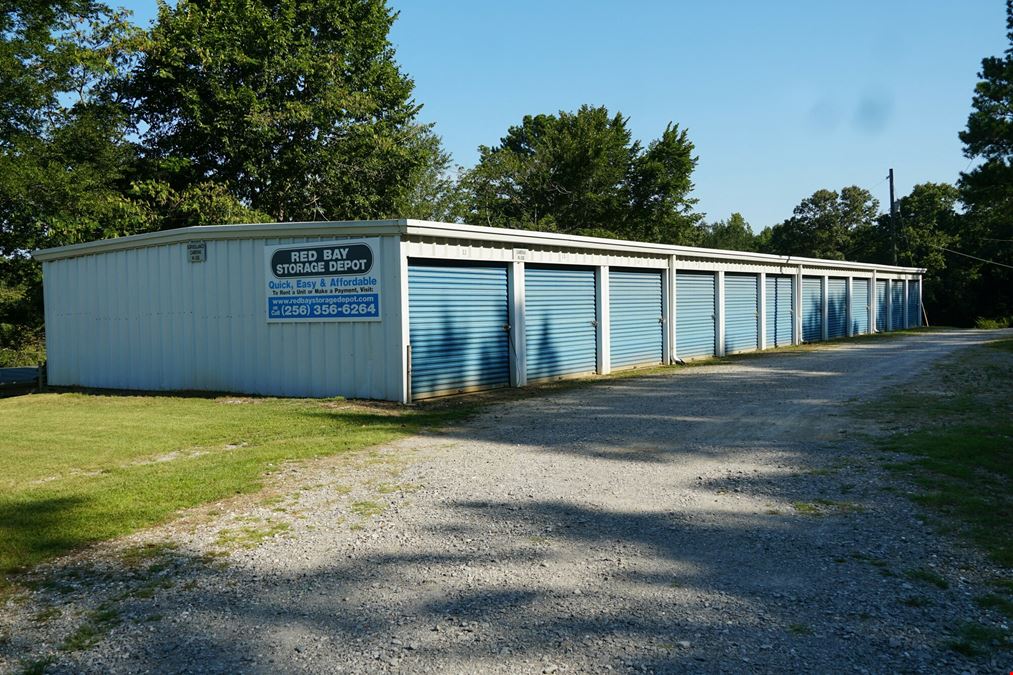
147	318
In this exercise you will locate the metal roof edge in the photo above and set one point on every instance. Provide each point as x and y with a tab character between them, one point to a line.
213	232
425	228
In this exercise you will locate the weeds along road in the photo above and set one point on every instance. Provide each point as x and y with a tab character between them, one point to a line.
723	518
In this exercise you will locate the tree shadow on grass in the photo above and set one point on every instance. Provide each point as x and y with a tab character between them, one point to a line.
34	528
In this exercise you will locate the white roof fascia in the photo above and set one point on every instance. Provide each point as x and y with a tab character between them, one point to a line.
211	232
436	230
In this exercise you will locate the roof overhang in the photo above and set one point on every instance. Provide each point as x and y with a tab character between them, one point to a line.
443	231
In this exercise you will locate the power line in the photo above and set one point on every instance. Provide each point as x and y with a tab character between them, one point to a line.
878	184
973	257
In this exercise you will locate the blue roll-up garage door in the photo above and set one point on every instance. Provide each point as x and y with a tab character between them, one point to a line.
742	293
636	330
897	305
560	321
837	308
859	306
780	317
914	313
457	317
695	309
881	305
812	309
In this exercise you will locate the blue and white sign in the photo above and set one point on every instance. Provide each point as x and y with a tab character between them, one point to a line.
324	281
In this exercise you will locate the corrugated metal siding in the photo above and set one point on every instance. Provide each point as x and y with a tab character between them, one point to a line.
812	309
837	308
148	319
780	317
742	295
635	318
457	318
695	309
897	306
914	314
859	306
881	305
560	321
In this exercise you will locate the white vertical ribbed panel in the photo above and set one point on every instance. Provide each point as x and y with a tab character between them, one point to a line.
148	319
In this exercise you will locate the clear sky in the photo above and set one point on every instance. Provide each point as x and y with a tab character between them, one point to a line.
781	98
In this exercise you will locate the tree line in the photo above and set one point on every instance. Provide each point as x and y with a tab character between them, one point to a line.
229	111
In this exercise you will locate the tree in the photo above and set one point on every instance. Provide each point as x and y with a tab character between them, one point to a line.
987	190
434	192
733	234
581	173
928	220
827	224
928	223
662	209
64	156
295	107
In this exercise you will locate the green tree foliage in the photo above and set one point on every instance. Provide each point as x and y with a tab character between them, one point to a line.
296	107
64	159
581	173
827	224
987	190
227	111
733	234
928	222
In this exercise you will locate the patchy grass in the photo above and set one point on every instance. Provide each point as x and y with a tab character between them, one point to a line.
146	554
800	629
807	508
89	633
82	468
367	508
927	576
391	488
46	615
916	601
820	507
1000	603
251	536
956	426
36	666
975	639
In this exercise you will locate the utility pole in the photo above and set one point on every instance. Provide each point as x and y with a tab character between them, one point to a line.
893	218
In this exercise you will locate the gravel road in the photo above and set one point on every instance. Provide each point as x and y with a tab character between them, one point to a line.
721	518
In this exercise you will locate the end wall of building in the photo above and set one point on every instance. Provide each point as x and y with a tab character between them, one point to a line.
148	319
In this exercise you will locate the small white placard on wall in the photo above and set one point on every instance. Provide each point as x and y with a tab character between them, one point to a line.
197	251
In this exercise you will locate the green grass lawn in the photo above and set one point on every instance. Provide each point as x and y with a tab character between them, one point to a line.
81	468
956	424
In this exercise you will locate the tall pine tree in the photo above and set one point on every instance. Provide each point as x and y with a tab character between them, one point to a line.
987	191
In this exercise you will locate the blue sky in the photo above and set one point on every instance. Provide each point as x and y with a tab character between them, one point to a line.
780	98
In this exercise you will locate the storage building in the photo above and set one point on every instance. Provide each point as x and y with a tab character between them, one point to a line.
406	309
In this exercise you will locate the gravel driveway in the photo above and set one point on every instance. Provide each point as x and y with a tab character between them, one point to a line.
722	518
